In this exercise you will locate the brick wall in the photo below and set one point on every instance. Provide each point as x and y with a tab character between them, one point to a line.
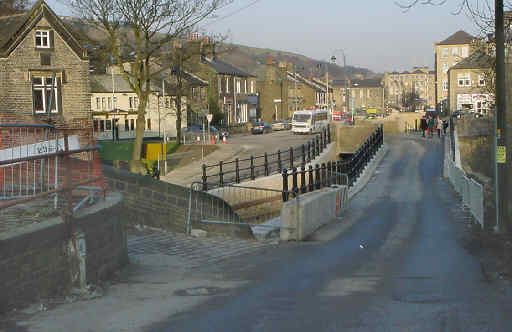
164	205
35	261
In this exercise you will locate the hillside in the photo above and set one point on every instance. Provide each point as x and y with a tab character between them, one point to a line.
253	60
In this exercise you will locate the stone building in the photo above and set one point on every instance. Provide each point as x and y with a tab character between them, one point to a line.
364	94
448	53
308	92
467	85
420	81
44	72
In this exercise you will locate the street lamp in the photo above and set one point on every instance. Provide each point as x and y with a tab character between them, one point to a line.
347	94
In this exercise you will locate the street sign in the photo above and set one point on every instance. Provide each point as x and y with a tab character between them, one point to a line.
501	154
209	117
277	100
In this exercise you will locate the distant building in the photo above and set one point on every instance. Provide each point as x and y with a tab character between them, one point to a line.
420	81
467	85
363	94
448	53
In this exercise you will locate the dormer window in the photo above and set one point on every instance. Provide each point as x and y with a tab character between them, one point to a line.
43	38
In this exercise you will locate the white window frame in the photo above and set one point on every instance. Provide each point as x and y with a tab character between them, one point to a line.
464	52
445	85
481	80
252	86
43	35
445	52
46	87
227	84
238	86
445	67
464	80
98	103
455	51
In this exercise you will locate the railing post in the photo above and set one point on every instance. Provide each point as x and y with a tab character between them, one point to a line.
311	179
309	151
317	177
329	173
266	165
237	171
317	145
295	187
321	141
205	178
303	154
324	176
291	158
285	184
324	130
329	134
221	174
280	167
303	188
252	168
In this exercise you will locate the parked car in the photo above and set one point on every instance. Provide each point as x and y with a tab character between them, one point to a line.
261	128
281	125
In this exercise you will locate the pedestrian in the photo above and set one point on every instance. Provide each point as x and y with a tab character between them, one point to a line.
423	125
445	125
439	123
430	124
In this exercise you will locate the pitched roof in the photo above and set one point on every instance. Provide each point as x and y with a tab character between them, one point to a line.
301	79
16	27
222	67
417	71
458	38
477	60
367	83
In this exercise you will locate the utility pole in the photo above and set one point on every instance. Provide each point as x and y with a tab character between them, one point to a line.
295	86
500	134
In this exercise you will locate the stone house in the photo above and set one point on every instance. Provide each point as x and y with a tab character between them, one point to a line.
234	90
309	93
363	94
44	72
467	85
113	100
448	53
420	80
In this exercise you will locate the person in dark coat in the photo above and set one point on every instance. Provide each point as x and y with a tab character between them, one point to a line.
430	124
423	125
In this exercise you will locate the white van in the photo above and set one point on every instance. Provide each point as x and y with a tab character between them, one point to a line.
309	121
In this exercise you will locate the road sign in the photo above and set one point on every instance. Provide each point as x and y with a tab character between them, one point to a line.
209	117
501	154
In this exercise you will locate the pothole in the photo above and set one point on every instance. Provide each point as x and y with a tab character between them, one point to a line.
201	291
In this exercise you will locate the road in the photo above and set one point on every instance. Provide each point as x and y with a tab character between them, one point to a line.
238	146
397	266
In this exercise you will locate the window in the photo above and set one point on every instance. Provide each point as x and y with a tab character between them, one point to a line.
148	125
455	51
445	67
245	86
220	85
45	92
132	124
109	103
464	80
126	125
252	86
134	102
103	103
445	85
227	84
444	52
102	125
43	38
96	125
166	102
481	80
464	52
108	124
98	103
237	86
46	59
115	102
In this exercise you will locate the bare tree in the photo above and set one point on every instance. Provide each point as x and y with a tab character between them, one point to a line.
136	32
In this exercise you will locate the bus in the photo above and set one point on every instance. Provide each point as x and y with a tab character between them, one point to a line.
309	121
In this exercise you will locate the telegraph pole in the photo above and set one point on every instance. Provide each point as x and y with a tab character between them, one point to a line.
500	151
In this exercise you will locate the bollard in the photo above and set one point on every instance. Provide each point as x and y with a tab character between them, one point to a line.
237	171
295	188
324	175
252	168
303	188
205	178
317	176
279	166
221	174
311	183
285	185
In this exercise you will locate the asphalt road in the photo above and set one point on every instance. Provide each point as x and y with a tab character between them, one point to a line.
398	266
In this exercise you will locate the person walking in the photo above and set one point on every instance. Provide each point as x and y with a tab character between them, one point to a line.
445	125
423	125
430	124
439	123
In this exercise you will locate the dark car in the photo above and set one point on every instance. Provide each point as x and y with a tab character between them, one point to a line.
261	128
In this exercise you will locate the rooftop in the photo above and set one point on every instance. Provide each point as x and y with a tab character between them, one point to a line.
458	38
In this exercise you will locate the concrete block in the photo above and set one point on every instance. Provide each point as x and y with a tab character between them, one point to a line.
198	233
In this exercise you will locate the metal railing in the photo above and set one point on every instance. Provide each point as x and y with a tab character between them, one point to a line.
235	171
41	162
471	192
232	204
341	172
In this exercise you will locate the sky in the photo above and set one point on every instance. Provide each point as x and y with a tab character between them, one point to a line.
374	34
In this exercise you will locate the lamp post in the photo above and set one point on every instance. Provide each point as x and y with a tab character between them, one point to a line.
347	94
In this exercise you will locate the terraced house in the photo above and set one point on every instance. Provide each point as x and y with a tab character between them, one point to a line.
44	71
420	81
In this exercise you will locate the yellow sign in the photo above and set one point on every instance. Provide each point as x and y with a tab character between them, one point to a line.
501	154
154	151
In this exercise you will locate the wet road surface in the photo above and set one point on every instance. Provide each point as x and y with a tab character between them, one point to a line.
399	267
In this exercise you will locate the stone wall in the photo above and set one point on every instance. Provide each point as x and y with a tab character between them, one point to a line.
165	205
38	260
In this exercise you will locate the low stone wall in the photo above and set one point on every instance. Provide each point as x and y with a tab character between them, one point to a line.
301	217
165	205
43	260
350	138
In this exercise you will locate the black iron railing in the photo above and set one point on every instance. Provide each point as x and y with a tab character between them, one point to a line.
250	168
341	172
